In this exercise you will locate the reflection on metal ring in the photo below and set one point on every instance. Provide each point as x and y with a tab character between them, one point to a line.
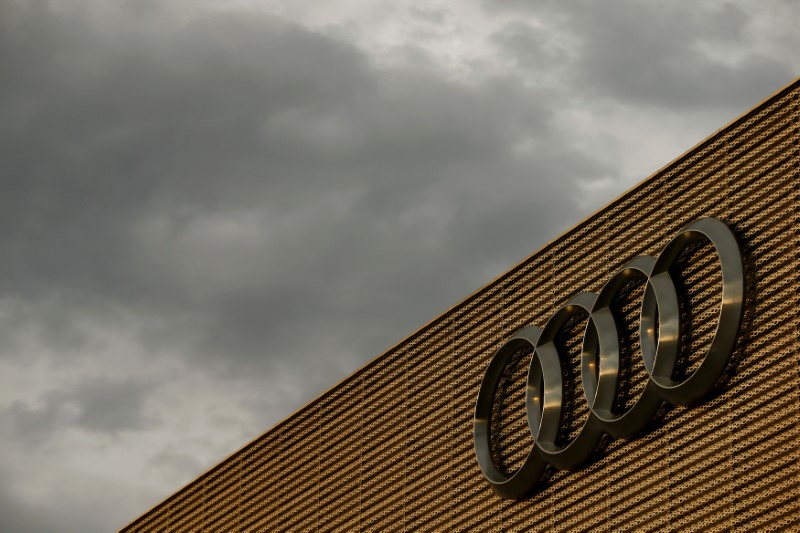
659	333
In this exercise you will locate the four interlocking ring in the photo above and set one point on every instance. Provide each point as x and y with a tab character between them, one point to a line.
600	362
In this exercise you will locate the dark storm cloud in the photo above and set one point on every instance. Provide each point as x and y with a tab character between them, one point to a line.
20	516
668	66
95	406
246	199
248	182
66	513
654	53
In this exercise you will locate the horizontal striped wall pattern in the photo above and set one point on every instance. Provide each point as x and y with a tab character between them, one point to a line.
390	448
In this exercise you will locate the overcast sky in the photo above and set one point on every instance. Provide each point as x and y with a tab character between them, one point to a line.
212	211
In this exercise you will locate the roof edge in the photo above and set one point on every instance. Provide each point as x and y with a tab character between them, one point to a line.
440	318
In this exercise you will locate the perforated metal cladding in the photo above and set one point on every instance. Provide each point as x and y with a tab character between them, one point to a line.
575	410
626	308
511	438
698	280
391	447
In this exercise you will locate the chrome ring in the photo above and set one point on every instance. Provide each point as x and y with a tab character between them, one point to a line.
600	362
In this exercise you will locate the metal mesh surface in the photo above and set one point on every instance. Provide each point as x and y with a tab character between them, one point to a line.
391	447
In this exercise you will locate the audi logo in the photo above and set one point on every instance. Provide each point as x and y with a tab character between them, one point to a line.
600	363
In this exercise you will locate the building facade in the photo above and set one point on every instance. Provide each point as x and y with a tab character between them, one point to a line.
392	447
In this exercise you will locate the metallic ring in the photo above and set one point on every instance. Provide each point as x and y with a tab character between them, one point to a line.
694	387
549	418
524	481
634	419
659	332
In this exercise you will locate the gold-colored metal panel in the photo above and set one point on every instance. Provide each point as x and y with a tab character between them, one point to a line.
391	447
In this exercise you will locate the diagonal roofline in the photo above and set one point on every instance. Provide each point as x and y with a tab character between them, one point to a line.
443	316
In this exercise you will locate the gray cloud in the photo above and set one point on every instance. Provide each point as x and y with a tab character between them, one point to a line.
669	65
658	54
95	406
21	516
188	134
229	190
